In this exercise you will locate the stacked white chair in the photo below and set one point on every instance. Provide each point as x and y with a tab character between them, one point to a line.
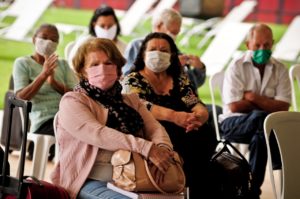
294	74
285	126
216	83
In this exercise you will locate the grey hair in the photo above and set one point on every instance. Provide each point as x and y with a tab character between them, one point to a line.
257	27
166	16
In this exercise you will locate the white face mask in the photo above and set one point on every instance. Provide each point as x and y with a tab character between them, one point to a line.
45	47
106	33
157	61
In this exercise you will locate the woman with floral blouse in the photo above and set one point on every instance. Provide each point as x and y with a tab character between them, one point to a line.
169	95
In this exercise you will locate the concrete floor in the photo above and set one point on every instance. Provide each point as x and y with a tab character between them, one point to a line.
13	159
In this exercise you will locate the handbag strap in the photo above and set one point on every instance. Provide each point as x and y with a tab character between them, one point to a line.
226	143
155	184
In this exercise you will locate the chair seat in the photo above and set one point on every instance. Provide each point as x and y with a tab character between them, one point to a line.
42	144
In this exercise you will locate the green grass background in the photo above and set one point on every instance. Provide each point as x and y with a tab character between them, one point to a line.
10	50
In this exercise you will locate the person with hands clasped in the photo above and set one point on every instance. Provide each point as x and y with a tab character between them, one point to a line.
43	79
96	120
168	94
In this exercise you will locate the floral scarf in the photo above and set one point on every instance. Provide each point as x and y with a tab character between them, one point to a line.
120	116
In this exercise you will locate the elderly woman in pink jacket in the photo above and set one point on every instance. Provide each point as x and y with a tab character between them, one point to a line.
96	119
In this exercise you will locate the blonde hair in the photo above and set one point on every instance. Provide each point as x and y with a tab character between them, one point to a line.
166	16
93	45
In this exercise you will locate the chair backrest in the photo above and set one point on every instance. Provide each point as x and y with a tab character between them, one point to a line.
224	45
134	14
14	9
216	83
294	74
285	126
68	49
237	15
288	47
26	19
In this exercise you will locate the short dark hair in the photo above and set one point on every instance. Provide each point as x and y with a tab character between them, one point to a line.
175	68
47	26
103	11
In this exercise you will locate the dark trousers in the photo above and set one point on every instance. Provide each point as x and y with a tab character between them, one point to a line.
46	128
248	129
196	148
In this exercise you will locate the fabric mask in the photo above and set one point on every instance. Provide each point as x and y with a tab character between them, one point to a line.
157	61
102	76
45	47
261	56
106	33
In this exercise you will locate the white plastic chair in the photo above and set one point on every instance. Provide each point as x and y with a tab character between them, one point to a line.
224	45
288	47
30	13
237	14
285	126
68	49
42	144
216	84
72	47
134	14
65	29
14	9
294	74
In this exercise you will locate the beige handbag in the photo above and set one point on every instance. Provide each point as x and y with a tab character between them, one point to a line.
132	173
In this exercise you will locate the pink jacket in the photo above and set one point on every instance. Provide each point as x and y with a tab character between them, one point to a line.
81	132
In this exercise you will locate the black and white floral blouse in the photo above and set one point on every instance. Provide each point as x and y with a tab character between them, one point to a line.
180	98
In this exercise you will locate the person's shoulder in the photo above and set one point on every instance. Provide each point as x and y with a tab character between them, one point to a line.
64	64
23	59
277	63
136	41
239	63
75	95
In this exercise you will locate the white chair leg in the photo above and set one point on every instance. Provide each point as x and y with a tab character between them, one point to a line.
42	144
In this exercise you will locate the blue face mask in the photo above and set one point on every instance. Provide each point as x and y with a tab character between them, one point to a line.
261	56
